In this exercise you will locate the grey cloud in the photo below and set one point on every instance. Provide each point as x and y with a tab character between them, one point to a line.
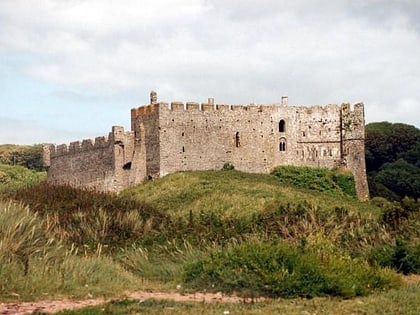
14	131
244	51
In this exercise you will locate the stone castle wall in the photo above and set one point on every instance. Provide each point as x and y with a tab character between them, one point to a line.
170	137
102	164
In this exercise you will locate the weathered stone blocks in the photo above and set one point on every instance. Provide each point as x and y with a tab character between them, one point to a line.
169	137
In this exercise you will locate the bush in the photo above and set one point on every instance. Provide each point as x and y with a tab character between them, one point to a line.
228	167
403	257
281	270
16	177
336	181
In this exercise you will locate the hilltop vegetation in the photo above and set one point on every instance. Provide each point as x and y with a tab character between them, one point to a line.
393	160
29	156
15	177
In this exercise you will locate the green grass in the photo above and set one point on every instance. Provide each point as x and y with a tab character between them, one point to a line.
34	264
232	193
277	269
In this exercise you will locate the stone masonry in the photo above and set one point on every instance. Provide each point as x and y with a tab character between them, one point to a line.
170	137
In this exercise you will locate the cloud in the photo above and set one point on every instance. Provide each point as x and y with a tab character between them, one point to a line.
237	51
13	131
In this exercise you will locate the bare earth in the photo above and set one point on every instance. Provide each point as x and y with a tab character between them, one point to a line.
53	306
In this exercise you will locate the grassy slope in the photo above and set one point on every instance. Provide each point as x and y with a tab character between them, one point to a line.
236	194
232	193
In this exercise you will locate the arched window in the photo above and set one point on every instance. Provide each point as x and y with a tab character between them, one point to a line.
237	140
282	126
282	145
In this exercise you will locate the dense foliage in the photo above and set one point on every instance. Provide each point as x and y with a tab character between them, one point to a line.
277	269
393	160
15	177
29	156
338	182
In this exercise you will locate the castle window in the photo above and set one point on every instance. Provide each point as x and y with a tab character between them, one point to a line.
183	134
282	126
282	145
183	149
237	140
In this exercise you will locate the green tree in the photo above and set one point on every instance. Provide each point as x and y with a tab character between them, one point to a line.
400	177
29	156
393	159
387	142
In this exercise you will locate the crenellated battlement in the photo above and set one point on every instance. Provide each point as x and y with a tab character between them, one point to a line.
117	134
78	146
210	105
141	110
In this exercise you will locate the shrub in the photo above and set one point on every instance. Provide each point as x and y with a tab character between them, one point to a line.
401	256
228	167
281	270
16	177
335	181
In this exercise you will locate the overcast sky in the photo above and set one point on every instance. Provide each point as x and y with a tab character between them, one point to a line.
70	69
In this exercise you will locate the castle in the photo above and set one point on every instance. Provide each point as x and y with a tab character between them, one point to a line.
170	137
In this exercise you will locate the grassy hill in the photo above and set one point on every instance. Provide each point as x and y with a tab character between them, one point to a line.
253	234
234	193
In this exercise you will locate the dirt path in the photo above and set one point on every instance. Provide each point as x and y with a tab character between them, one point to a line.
53	306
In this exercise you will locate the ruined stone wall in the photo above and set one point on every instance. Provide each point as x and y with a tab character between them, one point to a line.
123	159
97	164
353	146
312	135
145	123
205	136
256	138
